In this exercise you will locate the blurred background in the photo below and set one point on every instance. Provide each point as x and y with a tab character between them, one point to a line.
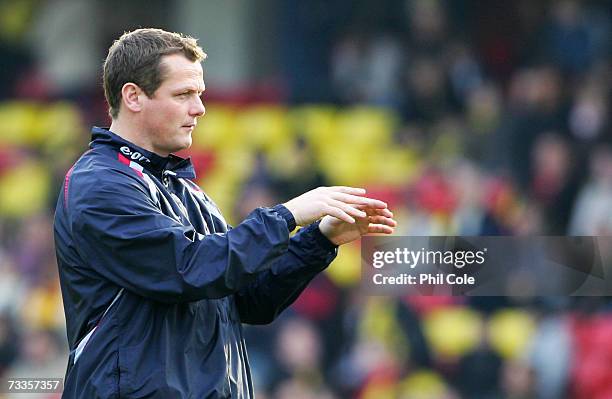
468	117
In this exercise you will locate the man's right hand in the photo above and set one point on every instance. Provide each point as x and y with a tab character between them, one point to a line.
339	201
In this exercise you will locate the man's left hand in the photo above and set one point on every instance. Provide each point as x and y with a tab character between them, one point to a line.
340	232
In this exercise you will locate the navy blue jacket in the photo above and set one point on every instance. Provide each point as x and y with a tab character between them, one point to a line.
156	285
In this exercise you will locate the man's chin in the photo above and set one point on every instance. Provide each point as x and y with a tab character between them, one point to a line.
184	145
188	142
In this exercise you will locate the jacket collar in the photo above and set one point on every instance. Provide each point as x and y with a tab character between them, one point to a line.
156	164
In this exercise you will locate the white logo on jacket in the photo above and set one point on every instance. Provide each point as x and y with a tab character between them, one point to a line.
133	155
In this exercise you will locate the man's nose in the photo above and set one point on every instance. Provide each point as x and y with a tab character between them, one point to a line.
198	108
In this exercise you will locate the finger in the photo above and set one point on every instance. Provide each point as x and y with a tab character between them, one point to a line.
338	213
348	209
378	212
380	229
365	207
348	190
365	201
382	220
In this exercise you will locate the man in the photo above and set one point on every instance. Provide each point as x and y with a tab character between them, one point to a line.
155	284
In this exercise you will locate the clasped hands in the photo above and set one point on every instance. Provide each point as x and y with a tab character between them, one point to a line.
346	213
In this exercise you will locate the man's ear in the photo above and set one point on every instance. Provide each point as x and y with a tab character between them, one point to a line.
132	96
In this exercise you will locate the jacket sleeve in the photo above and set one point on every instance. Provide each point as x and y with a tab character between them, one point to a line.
275	289
121	234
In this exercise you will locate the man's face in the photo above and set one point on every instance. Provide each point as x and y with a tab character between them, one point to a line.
171	113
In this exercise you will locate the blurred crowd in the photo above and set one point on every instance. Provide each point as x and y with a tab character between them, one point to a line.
467	117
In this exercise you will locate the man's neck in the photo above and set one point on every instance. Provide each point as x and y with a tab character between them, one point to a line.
132	134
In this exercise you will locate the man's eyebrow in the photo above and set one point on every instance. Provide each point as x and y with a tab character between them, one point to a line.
190	89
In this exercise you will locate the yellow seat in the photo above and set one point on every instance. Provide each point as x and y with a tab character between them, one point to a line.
217	130
17	202
347	266
422	384
43	308
264	127
58	126
17	121
452	331
510	331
